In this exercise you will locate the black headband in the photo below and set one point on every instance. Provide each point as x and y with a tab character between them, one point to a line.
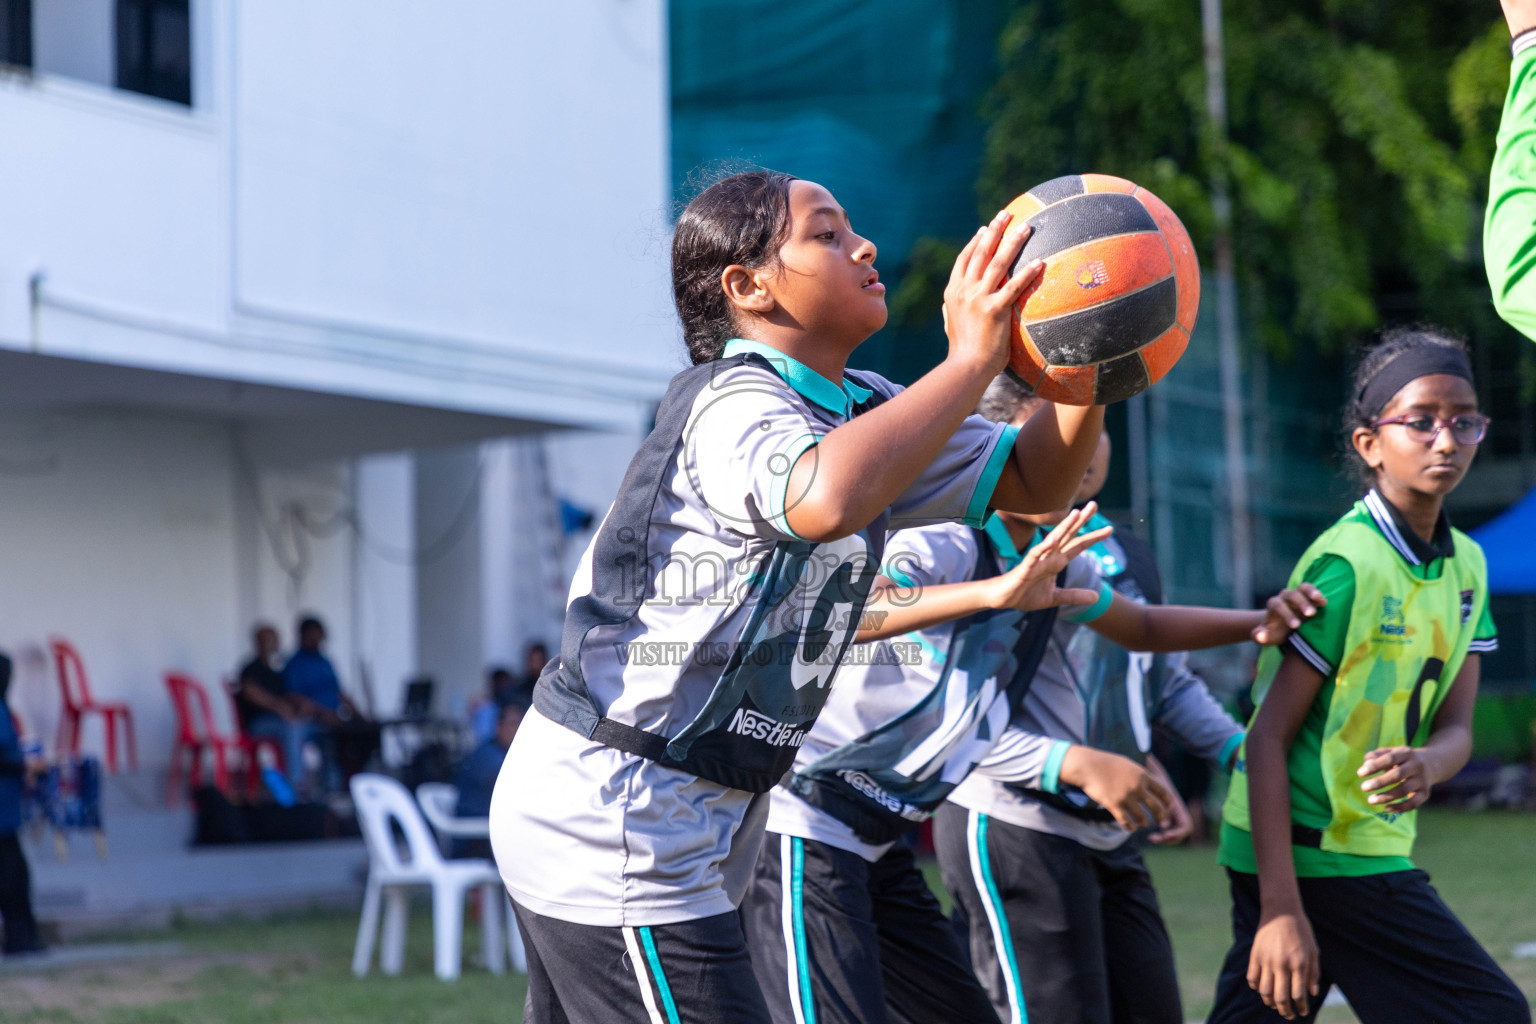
1406	367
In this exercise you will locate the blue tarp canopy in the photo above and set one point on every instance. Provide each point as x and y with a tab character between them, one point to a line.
1509	541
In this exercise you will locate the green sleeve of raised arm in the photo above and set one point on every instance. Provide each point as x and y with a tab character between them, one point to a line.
1509	233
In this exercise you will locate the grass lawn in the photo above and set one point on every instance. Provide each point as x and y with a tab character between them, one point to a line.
290	970
1483	864
296	969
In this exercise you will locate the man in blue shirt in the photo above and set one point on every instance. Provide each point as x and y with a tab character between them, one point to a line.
309	673
15	878
477	779
315	691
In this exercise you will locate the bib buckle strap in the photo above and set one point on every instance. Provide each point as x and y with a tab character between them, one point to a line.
1303	835
630	740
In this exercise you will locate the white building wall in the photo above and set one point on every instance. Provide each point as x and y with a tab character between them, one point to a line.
384	561
121	540
461	207
457	207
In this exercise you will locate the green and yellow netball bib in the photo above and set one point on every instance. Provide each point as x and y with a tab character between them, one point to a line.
1404	645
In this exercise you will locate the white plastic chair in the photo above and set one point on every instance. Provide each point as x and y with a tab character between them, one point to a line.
439	801
381	800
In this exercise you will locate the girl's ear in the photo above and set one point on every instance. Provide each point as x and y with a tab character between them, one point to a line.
1368	445
744	289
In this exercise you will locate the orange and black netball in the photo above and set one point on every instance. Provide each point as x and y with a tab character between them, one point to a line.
1117	302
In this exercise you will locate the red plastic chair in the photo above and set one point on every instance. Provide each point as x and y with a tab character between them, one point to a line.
249	745
196	731
78	703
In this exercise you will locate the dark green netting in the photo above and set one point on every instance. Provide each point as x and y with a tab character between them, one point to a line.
881	102
875	100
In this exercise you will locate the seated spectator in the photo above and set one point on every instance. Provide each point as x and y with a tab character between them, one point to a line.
477	779
310	677
267	709
501	689
315	691
15	876
521	692
534	660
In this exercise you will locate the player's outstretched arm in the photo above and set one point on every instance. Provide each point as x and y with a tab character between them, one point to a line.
1509	231
841	484
1172	627
1401	777
1519	14
1283	967
894	609
1050	456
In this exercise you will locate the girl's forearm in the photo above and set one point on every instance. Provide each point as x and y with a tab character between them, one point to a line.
838	487
1051	454
1269	805
1446	752
892	611
1165	628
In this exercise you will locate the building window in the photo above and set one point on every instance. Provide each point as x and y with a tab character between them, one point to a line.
16	32
154	48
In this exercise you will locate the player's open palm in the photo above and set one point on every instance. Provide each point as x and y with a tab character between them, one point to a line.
1284	967
979	299
1032	583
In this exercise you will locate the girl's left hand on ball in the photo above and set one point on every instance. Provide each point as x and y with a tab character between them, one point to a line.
1403	782
1285	613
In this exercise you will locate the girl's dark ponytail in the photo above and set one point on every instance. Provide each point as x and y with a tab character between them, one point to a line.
740	220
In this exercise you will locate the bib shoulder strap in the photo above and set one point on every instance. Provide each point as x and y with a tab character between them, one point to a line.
621	548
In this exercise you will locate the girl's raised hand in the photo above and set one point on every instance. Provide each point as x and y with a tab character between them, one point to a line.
979	299
1284	614
1032	583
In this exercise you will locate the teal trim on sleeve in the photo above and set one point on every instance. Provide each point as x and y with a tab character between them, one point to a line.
1225	754
898	577
659	975
1050	776
976	511
1093	611
777	495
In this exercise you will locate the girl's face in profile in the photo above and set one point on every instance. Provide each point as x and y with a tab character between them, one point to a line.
1404	461
826	281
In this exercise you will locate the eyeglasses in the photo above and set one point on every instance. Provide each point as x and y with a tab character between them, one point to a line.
1466	428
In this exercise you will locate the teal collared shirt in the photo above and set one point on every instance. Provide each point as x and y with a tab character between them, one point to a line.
812	386
1002	542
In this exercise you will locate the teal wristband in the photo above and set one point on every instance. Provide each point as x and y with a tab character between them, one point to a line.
1050	777
1093	611
1227	748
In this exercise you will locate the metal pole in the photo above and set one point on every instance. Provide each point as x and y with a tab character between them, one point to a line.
1226	309
1136	441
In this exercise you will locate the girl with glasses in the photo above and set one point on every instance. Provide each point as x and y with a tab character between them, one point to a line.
1360	714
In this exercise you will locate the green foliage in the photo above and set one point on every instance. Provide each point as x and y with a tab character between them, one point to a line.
1361	132
928	264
